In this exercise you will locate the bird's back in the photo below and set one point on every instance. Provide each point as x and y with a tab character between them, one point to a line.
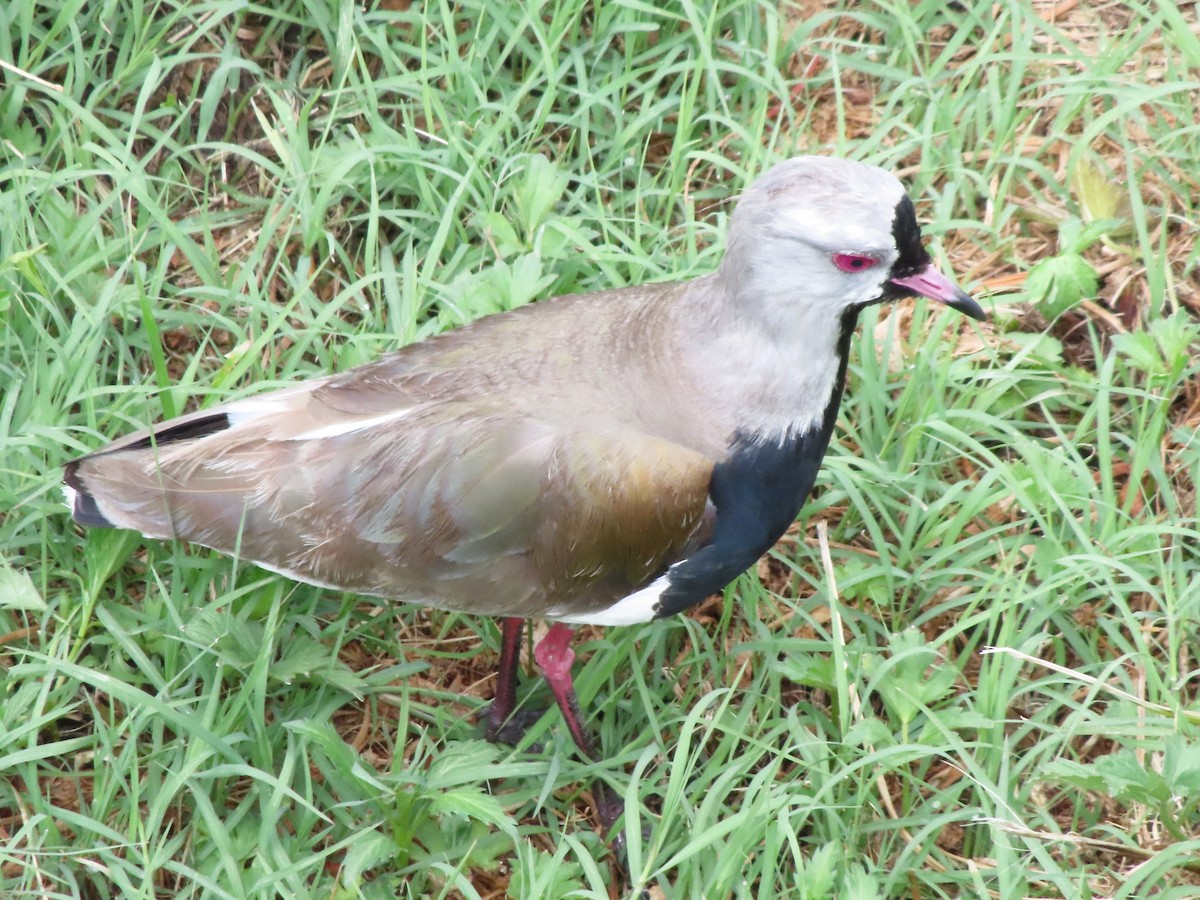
526	461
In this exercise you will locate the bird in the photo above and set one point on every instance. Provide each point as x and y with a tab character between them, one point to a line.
607	458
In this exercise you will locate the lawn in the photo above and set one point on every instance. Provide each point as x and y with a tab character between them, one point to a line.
972	667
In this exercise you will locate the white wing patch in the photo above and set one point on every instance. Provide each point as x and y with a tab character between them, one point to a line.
281	403
240	412
349	426
631	610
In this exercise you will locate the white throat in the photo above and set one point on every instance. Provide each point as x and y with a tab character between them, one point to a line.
773	376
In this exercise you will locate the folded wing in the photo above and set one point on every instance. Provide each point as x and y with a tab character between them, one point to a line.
447	502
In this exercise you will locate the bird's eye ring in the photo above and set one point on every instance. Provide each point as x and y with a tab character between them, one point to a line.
853	262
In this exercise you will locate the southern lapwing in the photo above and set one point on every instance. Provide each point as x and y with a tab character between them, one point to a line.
606	458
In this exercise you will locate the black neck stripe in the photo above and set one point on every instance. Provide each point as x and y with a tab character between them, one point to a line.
758	490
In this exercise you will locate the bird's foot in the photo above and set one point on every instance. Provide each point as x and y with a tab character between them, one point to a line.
609	809
608	806
511	729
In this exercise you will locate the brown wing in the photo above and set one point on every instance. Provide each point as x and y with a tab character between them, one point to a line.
448	503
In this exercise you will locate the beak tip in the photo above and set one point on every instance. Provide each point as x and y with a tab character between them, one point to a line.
931	283
967	305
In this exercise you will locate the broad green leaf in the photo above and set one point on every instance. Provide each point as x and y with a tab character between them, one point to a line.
1099	196
500	232
541	186
474	803
1141	350
17	591
1059	283
1074	774
366	852
1181	766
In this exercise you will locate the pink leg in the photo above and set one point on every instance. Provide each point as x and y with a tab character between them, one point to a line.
506	678
554	657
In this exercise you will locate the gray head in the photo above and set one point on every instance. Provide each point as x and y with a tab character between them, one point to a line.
831	234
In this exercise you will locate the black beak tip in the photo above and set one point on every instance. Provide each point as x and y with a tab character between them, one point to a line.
965	304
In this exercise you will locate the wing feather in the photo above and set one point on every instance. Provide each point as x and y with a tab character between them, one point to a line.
447	502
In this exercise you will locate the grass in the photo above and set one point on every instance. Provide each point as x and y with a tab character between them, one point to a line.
201	199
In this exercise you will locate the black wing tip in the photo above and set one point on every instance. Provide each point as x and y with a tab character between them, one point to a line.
87	513
84	508
190	429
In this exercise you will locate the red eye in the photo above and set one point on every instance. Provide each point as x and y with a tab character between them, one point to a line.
853	262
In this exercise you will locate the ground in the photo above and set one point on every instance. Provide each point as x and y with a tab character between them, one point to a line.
968	670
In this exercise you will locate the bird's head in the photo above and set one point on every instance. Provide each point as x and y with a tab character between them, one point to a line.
832	234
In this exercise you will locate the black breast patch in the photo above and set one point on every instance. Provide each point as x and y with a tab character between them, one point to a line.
758	490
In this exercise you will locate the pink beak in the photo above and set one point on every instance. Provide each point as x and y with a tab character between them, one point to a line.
931	283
